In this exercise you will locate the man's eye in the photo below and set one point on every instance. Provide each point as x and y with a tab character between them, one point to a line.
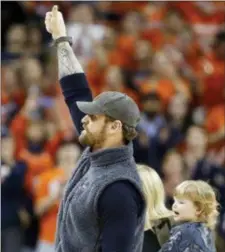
93	117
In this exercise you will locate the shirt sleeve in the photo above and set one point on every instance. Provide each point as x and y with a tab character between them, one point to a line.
75	88
118	210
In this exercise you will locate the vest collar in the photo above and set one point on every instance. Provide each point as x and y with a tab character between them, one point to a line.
110	156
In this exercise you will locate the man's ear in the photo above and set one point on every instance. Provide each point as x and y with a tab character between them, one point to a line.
117	125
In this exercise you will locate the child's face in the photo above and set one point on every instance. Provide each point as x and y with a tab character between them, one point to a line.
184	210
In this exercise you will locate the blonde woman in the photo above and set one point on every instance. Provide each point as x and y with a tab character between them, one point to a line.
158	217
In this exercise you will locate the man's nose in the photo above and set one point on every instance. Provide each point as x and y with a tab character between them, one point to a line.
84	119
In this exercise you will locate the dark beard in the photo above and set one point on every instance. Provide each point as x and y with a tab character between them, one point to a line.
87	139
94	141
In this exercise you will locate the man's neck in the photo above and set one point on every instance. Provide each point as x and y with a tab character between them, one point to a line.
107	145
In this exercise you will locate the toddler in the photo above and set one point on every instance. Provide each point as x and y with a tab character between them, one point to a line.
195	213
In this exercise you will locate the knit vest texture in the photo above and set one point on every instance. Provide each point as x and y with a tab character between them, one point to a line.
78	225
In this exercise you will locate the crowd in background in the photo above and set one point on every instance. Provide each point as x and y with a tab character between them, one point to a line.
169	57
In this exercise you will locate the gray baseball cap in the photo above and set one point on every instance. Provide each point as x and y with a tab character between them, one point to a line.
114	104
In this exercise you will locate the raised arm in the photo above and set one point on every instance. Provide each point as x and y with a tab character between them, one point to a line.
67	61
71	75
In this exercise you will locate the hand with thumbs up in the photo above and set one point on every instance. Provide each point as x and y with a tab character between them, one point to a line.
54	23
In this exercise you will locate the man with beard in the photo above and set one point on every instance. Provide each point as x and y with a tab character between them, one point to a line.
103	206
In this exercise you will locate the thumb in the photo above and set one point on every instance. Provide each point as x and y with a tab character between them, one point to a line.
54	10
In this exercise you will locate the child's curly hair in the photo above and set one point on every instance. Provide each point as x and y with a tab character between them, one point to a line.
203	197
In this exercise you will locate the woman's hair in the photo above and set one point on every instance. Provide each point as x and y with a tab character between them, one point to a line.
203	197
154	195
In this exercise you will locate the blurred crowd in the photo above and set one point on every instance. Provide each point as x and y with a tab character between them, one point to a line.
168	56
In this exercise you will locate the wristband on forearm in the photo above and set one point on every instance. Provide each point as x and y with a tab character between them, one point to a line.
62	39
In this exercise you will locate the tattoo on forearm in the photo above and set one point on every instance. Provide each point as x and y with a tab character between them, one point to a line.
67	61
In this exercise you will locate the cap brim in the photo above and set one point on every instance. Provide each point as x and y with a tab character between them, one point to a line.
89	108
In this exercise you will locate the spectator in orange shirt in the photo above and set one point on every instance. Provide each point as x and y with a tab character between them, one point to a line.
142	58
36	158
49	188
215	126
153	14
126	6
213	73
208	15
115	81
34	109
166	28
106	54
165	79
127	37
